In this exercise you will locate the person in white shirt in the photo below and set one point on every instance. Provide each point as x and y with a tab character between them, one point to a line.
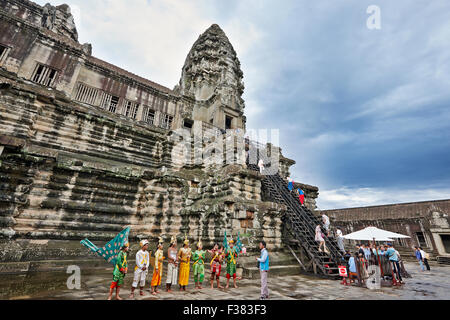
326	223
261	165
172	265
424	258
340	240
290	184
319	238
141	269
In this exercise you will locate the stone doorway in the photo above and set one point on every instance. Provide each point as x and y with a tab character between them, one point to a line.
445	238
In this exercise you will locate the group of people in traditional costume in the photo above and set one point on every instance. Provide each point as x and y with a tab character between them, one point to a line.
178	267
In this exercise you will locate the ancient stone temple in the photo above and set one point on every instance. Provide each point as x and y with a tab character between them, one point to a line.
87	148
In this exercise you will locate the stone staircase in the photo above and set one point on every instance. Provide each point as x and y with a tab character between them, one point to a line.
443	260
300	224
281	263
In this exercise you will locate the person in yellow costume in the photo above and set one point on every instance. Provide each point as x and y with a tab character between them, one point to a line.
184	256
157	270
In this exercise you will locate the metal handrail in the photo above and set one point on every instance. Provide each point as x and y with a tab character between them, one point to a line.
306	217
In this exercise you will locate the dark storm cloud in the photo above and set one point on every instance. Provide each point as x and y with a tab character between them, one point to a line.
360	108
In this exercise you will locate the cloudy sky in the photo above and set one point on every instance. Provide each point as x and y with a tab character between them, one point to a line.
365	113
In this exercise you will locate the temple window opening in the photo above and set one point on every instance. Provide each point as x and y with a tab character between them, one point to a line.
166	122
110	102
421	239
44	75
228	122
4	50
86	94
445	238
148	116
188	123
131	109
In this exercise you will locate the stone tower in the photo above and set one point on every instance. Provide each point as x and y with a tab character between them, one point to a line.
212	76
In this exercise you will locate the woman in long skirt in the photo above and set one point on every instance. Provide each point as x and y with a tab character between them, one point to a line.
319	238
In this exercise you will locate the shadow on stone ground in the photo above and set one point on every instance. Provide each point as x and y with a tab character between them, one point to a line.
95	285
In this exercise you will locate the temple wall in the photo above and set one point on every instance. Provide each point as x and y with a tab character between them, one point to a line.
25	10
69	173
68	128
30	45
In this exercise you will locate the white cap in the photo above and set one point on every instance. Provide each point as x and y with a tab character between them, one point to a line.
143	243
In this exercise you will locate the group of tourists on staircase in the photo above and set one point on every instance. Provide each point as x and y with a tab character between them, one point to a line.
319	234
299	192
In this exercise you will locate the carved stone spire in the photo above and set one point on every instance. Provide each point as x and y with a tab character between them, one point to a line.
59	20
213	69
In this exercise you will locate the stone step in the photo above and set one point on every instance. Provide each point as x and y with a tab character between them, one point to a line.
276	259
284	270
443	260
52	266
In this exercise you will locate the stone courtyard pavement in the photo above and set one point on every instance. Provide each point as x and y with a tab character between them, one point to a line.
422	286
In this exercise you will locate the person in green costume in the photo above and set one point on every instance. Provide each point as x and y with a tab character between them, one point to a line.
120	270
199	265
231	255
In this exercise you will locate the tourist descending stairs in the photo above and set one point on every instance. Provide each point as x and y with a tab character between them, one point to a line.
300	223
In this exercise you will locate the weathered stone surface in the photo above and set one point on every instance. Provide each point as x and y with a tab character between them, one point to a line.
76	163
212	61
212	74
68	173
57	19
